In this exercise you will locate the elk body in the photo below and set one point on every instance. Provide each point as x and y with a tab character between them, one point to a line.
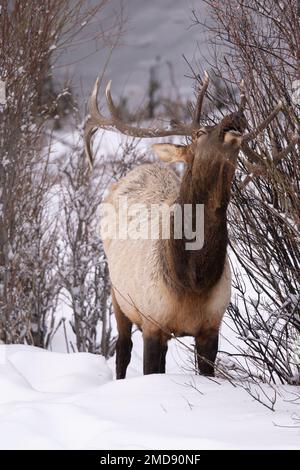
157	284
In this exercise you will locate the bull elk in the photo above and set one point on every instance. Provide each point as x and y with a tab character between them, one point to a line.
157	284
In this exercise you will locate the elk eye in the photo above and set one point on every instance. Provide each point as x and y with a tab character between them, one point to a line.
201	132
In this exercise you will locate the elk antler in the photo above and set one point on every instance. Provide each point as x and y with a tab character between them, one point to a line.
115	123
243	99
259	168
253	157
251	135
199	102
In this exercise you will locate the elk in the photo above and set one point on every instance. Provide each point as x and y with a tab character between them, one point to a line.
157	284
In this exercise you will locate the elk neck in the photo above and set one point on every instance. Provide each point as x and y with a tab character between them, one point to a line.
206	181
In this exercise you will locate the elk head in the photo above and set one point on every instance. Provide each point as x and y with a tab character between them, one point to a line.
212	148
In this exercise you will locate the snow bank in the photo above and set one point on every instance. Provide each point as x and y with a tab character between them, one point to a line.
60	401
56	372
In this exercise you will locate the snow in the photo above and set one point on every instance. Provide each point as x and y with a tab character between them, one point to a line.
47	371
53	400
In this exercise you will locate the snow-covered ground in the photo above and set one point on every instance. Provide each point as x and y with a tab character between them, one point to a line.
54	400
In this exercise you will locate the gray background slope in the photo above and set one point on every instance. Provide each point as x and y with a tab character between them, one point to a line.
155	29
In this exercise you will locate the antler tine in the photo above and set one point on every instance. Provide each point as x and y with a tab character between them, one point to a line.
111	106
251	135
94	120
199	102
141	132
88	132
294	140
243	99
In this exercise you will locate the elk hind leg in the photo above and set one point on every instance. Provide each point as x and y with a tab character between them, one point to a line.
124	342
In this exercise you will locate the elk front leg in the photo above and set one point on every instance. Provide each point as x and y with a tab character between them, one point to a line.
155	350
206	352
163	358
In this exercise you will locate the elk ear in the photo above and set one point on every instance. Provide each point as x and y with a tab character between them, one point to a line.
171	153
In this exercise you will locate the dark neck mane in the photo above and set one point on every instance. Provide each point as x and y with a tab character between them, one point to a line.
199	270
